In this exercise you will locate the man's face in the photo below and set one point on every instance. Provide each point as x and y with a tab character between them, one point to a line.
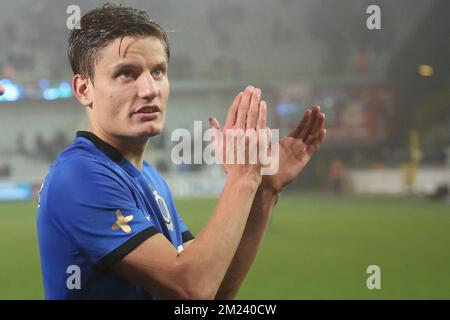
129	92
2	89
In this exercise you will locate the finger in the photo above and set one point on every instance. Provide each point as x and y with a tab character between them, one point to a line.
264	145
214	123
215	138
316	143
231	116
311	122
269	137
296	132
243	108
262	115
314	136
320	121
306	131
252	115
264	135
318	126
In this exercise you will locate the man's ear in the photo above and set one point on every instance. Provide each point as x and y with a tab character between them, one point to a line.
81	88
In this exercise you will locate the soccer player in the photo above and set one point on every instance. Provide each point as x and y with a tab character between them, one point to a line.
108	227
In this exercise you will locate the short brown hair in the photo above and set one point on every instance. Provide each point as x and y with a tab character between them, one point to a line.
101	26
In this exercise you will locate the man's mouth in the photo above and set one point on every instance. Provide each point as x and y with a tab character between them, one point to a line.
148	112
149	109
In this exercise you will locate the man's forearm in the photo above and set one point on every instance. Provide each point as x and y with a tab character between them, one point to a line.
265	200
215	246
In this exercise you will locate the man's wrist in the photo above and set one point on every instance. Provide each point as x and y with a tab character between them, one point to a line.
263	203
269	194
268	187
268	191
266	196
240	182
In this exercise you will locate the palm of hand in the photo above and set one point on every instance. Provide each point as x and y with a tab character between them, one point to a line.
297	148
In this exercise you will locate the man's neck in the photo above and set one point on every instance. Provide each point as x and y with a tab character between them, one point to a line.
131	149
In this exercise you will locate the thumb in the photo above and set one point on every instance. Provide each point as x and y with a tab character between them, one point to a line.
214	123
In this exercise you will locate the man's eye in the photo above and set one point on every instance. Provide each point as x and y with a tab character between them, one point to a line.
157	72
127	74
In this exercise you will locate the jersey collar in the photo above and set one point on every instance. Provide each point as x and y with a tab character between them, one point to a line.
105	147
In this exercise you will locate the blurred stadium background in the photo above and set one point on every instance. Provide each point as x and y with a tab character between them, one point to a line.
376	194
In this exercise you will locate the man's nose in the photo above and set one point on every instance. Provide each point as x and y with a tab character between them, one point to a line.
147	87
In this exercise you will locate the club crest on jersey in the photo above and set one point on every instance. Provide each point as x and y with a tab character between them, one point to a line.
164	210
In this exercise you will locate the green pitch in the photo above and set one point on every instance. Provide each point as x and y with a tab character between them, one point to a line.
316	247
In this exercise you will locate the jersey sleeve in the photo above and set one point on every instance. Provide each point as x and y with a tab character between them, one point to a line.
95	208
185	233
